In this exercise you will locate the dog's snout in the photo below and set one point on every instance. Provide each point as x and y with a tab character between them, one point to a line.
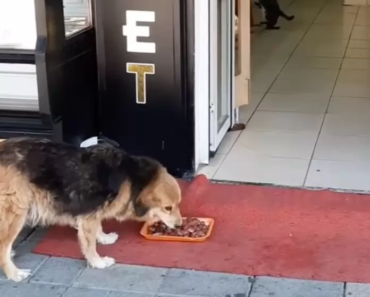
179	222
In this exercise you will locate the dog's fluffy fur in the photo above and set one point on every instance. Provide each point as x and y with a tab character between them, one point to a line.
47	183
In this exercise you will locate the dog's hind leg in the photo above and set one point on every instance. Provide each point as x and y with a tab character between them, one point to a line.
105	238
10	226
87	236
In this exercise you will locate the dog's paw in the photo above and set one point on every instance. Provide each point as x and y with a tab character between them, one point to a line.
19	275
106	239
102	263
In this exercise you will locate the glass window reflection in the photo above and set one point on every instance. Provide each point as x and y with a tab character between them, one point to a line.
77	16
17	24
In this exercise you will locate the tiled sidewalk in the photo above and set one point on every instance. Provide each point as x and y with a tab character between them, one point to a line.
56	277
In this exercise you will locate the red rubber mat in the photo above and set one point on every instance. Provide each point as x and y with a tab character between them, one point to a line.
259	230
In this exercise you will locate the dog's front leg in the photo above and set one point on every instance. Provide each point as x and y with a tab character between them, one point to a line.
104	238
87	236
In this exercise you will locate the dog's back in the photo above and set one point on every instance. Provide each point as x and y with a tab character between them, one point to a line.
44	175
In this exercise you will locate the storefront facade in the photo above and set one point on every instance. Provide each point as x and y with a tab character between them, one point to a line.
161	78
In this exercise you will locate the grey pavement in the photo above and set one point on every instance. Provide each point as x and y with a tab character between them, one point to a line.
61	277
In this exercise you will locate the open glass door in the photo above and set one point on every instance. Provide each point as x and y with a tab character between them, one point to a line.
242	82
221	69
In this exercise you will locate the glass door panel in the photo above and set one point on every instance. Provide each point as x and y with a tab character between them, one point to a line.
221	68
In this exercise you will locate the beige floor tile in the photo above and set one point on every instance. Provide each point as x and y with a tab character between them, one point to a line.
322	48
269	48
357	64
313	63
262	84
210	170
309	74
354	75
285	121
246	111
228	142
296	145
265	73
358	53
350	106
355	43
337	8
299	86
339	175
360	32
362	20
352	89
342	148
363	10
346	124
262	59
309	103
249	167
341	31
330	18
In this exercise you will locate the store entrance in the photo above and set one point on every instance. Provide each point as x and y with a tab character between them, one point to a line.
308	116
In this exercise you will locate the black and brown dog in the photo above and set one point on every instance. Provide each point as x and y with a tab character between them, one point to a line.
47	183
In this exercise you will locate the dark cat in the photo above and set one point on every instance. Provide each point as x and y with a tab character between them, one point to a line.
272	13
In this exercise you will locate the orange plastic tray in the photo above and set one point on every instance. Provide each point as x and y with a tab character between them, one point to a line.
210	222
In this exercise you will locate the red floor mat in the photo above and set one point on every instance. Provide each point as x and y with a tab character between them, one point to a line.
258	231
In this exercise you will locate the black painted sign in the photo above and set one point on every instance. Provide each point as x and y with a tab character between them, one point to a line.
142	71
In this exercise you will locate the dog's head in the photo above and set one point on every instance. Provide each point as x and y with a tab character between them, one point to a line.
154	194
160	201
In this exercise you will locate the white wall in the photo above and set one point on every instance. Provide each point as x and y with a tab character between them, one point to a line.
18	87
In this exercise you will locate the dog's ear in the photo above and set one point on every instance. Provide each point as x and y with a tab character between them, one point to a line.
115	180
140	208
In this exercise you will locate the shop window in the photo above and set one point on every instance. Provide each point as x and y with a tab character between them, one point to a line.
17	24
77	16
